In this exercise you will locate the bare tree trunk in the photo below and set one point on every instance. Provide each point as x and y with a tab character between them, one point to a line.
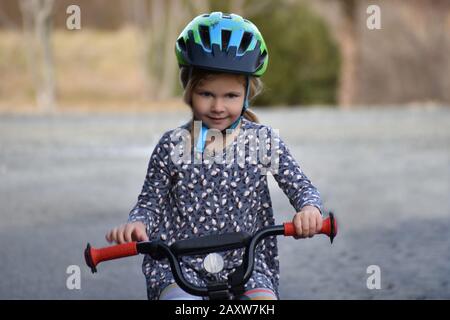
159	23
349	55
174	15
141	18
150	17
37	22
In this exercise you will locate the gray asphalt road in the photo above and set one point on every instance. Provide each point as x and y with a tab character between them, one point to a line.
65	180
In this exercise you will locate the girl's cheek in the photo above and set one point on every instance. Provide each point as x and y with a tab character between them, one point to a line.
201	109
197	106
201	102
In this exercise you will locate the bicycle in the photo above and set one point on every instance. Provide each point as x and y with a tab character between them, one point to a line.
213	262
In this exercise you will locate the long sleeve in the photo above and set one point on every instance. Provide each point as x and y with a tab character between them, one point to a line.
291	179
151	200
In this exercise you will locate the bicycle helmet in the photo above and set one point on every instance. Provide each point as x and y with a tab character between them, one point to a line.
225	43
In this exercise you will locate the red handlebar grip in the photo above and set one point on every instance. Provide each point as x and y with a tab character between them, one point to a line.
94	256
289	229
329	227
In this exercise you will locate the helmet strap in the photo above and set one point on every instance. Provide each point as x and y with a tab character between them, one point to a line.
247	90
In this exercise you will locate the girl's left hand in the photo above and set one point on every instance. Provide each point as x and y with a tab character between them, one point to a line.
307	222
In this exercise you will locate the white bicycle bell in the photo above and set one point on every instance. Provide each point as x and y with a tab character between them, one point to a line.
213	263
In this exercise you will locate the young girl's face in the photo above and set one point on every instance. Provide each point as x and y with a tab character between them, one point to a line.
218	100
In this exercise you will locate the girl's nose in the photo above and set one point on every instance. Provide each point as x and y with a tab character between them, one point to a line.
218	106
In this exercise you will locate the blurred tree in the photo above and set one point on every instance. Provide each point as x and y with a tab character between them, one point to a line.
159	23
304	60
155	28
349	52
37	25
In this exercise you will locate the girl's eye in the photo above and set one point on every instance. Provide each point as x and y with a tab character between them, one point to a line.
205	94
231	95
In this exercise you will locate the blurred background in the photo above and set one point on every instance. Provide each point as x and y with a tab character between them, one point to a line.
364	110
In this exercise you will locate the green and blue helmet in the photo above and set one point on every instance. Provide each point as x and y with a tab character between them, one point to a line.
222	42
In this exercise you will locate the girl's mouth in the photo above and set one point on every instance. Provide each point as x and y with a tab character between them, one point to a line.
216	119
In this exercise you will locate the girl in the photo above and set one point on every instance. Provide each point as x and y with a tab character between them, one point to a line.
221	58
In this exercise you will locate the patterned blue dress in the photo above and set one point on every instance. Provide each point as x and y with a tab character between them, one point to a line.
189	198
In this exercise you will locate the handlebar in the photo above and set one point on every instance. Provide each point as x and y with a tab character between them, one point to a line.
159	250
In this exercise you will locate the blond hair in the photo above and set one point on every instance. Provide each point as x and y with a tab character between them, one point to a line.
189	81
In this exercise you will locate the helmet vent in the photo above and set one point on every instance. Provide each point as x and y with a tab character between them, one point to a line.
262	57
226	16
226	35
204	35
245	42
182	44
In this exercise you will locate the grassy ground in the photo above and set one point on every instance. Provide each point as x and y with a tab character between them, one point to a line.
95	71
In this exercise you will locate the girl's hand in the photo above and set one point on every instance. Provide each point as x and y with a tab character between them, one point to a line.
133	231
307	222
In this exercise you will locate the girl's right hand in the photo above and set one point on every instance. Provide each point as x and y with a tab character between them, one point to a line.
133	231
